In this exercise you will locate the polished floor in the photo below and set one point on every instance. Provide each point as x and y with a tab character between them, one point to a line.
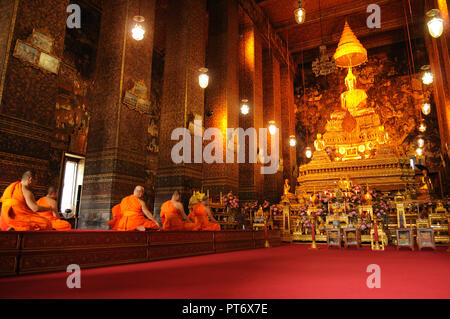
288	271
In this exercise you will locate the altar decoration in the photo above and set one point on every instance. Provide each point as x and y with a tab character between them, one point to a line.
355	143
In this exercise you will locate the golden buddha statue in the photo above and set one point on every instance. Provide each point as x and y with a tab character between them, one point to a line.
427	186
353	99
286	187
319	143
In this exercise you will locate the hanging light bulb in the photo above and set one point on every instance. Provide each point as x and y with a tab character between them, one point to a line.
426	108
422	127
244	108
420	141
292	140
419	151
308	152
138	31
427	76
435	23
272	128
299	12
203	78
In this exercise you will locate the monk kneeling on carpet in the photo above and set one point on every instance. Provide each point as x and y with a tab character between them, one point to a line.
173	215
131	212
19	207
200	214
52	214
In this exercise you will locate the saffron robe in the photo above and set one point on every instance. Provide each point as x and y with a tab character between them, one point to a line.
128	215
201	219
171	218
117	214
17	214
57	224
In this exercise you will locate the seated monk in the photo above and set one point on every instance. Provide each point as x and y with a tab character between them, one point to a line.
173	215
52	215
200	213
131	212
19	208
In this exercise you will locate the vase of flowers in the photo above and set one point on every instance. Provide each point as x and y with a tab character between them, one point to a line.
231	203
352	216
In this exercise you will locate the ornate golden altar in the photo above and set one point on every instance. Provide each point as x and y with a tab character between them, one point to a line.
355	144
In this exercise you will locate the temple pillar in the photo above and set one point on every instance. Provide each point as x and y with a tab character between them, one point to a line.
116	154
182	97
288	124
251	88
222	94
28	93
438	52
273	183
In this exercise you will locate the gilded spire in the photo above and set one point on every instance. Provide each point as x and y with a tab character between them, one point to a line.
350	51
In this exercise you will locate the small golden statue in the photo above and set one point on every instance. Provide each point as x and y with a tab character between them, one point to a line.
345	184
286	187
319	143
427	186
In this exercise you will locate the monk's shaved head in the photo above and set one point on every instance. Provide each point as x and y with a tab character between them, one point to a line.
51	190
176	195
138	191
27	175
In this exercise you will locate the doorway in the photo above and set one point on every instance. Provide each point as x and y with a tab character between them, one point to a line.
72	181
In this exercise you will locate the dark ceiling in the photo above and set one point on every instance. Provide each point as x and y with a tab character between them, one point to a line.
325	20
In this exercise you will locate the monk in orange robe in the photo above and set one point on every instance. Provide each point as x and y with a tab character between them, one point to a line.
173	215
19	208
200	213
131	212
52	215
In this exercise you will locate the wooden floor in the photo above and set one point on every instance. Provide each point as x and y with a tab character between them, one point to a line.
39	252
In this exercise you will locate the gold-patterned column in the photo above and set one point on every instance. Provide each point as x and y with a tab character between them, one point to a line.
182	97
288	120
116	151
222	94
438	52
273	183
251	88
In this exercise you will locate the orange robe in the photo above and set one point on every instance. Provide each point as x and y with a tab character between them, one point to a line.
128	215
117	214
16	213
171	217
201	219
57	223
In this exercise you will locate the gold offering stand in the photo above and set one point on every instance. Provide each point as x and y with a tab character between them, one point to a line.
438	221
260	220
404	235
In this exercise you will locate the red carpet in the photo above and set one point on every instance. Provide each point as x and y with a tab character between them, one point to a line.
289	271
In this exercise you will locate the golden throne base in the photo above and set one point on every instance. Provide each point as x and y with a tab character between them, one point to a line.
385	172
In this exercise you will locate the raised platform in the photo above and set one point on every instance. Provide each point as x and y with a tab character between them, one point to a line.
385	172
38	252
